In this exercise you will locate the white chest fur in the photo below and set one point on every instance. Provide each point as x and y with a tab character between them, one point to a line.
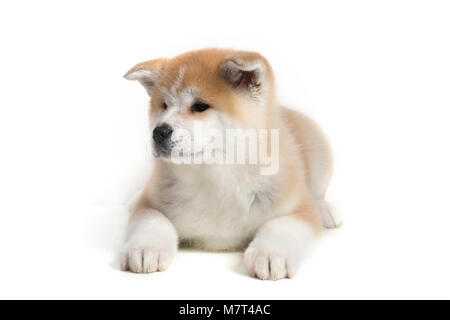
217	208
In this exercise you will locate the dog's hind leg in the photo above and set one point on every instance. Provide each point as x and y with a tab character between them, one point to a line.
318	162
319	171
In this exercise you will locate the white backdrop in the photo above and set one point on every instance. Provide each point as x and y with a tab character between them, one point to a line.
75	143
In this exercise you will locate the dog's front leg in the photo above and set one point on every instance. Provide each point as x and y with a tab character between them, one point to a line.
151	242
279	245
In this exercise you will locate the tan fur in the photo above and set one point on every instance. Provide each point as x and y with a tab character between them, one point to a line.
314	144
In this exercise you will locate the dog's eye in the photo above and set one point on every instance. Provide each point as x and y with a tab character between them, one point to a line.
199	107
164	106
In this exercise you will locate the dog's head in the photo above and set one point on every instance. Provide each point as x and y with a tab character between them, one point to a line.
200	95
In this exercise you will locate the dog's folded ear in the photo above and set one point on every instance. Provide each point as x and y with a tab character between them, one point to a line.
245	70
148	73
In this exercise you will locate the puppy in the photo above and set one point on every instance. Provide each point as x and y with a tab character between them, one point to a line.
274	209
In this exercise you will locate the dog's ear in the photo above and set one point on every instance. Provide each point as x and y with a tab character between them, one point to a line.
245	70
148	73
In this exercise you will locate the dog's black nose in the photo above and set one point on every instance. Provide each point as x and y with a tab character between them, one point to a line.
161	133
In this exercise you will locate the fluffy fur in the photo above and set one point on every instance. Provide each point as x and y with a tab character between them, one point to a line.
274	218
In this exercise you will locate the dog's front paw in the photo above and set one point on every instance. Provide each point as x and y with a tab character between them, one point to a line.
278	248
269	264
145	259
149	249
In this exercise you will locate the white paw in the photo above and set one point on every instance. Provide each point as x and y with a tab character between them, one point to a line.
268	265
146	259
330	217
278	248
150	247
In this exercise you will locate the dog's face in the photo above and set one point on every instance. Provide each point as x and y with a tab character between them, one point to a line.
196	97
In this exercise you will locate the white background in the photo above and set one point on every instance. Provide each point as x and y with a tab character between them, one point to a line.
75	143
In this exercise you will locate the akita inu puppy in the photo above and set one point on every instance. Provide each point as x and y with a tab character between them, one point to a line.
274	210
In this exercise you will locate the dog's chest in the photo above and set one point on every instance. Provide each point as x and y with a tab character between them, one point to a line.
220	212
